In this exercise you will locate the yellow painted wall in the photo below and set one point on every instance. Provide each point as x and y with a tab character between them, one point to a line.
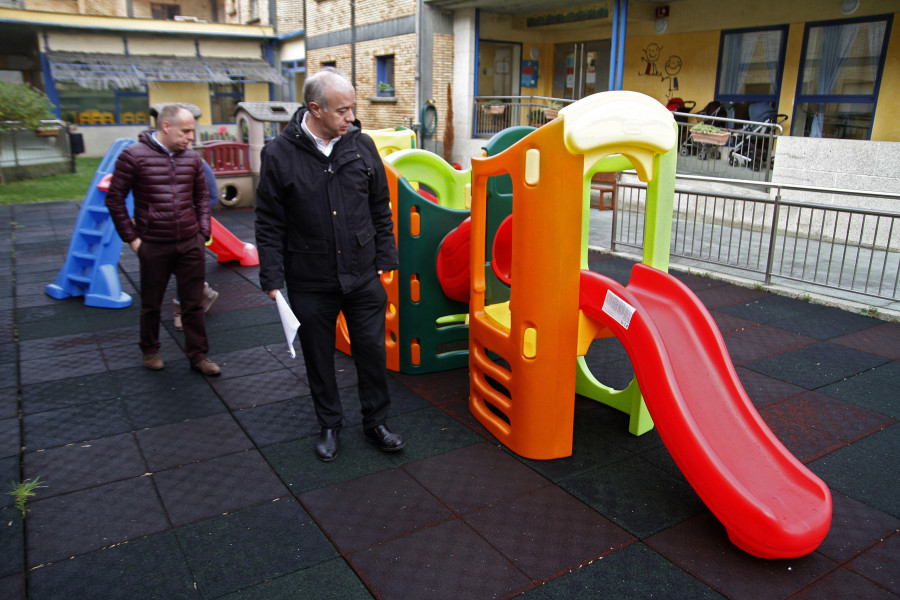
886	127
192	93
256	92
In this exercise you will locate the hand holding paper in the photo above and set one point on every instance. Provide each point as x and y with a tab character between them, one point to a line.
288	321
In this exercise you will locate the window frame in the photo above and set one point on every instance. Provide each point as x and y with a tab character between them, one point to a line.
774	97
801	99
384	73
214	94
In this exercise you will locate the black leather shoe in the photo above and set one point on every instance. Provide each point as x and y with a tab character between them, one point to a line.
384	438
328	445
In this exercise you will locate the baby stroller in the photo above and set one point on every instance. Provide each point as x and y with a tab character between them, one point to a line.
691	148
753	143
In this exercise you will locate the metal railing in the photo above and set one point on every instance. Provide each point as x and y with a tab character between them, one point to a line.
493	114
47	147
798	238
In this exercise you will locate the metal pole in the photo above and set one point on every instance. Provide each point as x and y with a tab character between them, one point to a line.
774	234
353	42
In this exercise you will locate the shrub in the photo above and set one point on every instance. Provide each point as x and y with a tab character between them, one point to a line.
22	103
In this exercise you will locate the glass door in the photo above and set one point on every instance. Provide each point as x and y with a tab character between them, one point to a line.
580	69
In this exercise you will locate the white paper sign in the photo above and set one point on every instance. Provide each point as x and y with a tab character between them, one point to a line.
288	321
618	309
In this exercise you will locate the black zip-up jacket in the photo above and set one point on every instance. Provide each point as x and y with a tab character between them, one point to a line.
323	223
171	200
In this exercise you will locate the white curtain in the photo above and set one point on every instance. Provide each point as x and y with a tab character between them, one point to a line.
772	48
739	49
835	42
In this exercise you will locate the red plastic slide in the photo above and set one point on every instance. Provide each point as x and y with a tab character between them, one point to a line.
772	506
226	246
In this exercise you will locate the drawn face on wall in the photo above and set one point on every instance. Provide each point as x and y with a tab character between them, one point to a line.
673	65
653	51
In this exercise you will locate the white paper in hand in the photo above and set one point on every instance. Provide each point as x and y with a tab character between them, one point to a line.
288	321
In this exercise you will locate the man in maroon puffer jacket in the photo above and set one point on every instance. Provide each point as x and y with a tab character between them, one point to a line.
169	230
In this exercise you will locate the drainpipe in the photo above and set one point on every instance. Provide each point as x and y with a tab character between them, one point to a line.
620	55
353	42
614	47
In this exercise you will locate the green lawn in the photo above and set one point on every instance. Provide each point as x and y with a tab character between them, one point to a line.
71	186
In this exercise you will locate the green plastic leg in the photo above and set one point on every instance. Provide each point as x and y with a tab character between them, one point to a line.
629	401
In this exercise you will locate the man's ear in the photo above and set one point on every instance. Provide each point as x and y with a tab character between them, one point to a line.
315	109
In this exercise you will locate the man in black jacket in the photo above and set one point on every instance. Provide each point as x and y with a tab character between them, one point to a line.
324	228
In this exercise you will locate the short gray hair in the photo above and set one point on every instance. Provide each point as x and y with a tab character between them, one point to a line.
316	88
171	113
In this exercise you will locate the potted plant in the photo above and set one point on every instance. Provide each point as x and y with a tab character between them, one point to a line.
494	107
552	111
385	89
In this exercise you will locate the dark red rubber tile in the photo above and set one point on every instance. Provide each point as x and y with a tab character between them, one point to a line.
215	487
474	477
547	532
459	410
835	418
727	323
446	562
191	441
881	564
701	547
882	339
855	527
764	390
805	443
50	349
844	583
751	344
440	387
151	568
260	388
253	546
84	465
76	523
361	513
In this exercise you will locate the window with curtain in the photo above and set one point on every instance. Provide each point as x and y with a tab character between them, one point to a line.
751	62
841	69
223	99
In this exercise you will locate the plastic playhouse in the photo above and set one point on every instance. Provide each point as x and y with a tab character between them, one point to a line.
522	353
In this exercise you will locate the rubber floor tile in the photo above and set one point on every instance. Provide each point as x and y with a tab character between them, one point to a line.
474	477
139	380
10	440
152	409
827	323
613	424
129	356
882	339
772	308
9	372
438	388
67	393
12	540
591	448
247	362
805	443
252	546
13	587
61	367
729	295
633	573
331	580
9	473
875	390
727	323
230	340
191	441
764	390
121	336
261	388
835	418
69	425
279	421
816	366
459	410
152	568
429	432
360	513
854	527
9	352
881	564
844	583
217	486
755	343
547	532
245	318
403	399
448	561
696	282
76	523
700	546
867	470
636	495
47	348
84	465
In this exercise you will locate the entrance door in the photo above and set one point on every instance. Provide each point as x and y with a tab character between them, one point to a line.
499	64
580	69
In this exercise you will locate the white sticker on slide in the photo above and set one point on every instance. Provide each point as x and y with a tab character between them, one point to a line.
618	309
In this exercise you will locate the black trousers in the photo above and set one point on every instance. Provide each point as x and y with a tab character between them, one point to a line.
364	309
186	259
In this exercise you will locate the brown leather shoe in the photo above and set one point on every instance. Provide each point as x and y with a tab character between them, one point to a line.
207	367
209	296
153	362
176	307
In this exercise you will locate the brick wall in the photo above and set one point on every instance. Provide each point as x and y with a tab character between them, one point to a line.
290	16
58	6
